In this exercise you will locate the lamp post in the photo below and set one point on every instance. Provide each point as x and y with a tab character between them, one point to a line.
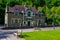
21	26
19	32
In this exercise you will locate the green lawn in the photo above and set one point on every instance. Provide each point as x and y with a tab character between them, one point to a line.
42	35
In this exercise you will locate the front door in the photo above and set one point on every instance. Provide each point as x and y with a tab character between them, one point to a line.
28	23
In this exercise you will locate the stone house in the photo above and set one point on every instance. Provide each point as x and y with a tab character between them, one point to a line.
23	16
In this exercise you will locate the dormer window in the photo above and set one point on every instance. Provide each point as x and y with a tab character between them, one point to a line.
29	14
16	12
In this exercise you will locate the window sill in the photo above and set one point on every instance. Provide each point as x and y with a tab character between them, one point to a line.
29	17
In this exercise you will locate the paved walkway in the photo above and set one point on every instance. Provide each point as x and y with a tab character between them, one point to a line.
8	34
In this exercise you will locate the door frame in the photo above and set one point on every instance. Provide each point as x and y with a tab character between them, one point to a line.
29	23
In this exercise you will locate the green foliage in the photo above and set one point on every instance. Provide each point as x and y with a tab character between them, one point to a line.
42	35
2	10
55	11
13	3
51	8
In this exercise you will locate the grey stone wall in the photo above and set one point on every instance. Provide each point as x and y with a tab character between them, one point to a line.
34	20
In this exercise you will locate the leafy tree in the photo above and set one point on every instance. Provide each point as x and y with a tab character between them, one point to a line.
2	12
12	3
51	8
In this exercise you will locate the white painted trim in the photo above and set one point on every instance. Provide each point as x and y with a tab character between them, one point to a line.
15	19
32	13
16	11
23	23
18	20
6	19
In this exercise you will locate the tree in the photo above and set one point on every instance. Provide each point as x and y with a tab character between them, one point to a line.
55	14
2	12
12	3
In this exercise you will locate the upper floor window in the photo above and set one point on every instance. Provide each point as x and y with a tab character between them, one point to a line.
16	12
29	14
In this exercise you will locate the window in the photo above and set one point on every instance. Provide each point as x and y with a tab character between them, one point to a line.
12	21
16	12
29	14
19	21
16	21
24	23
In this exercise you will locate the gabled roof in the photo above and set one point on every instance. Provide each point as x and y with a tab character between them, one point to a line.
21	8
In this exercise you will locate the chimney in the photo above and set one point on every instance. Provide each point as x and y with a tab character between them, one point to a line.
7	9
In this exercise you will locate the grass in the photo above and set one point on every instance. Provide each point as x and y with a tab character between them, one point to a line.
42	35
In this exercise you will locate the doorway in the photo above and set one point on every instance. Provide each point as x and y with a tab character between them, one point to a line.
28	23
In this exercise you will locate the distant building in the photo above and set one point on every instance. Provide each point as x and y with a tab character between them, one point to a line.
23	16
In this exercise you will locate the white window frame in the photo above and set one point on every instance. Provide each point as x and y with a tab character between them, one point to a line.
16	10
27	13
12	20
25	23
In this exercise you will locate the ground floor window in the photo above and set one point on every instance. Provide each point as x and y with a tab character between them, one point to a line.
24	23
12	21
16	21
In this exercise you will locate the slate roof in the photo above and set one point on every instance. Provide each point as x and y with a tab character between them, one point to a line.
21	8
